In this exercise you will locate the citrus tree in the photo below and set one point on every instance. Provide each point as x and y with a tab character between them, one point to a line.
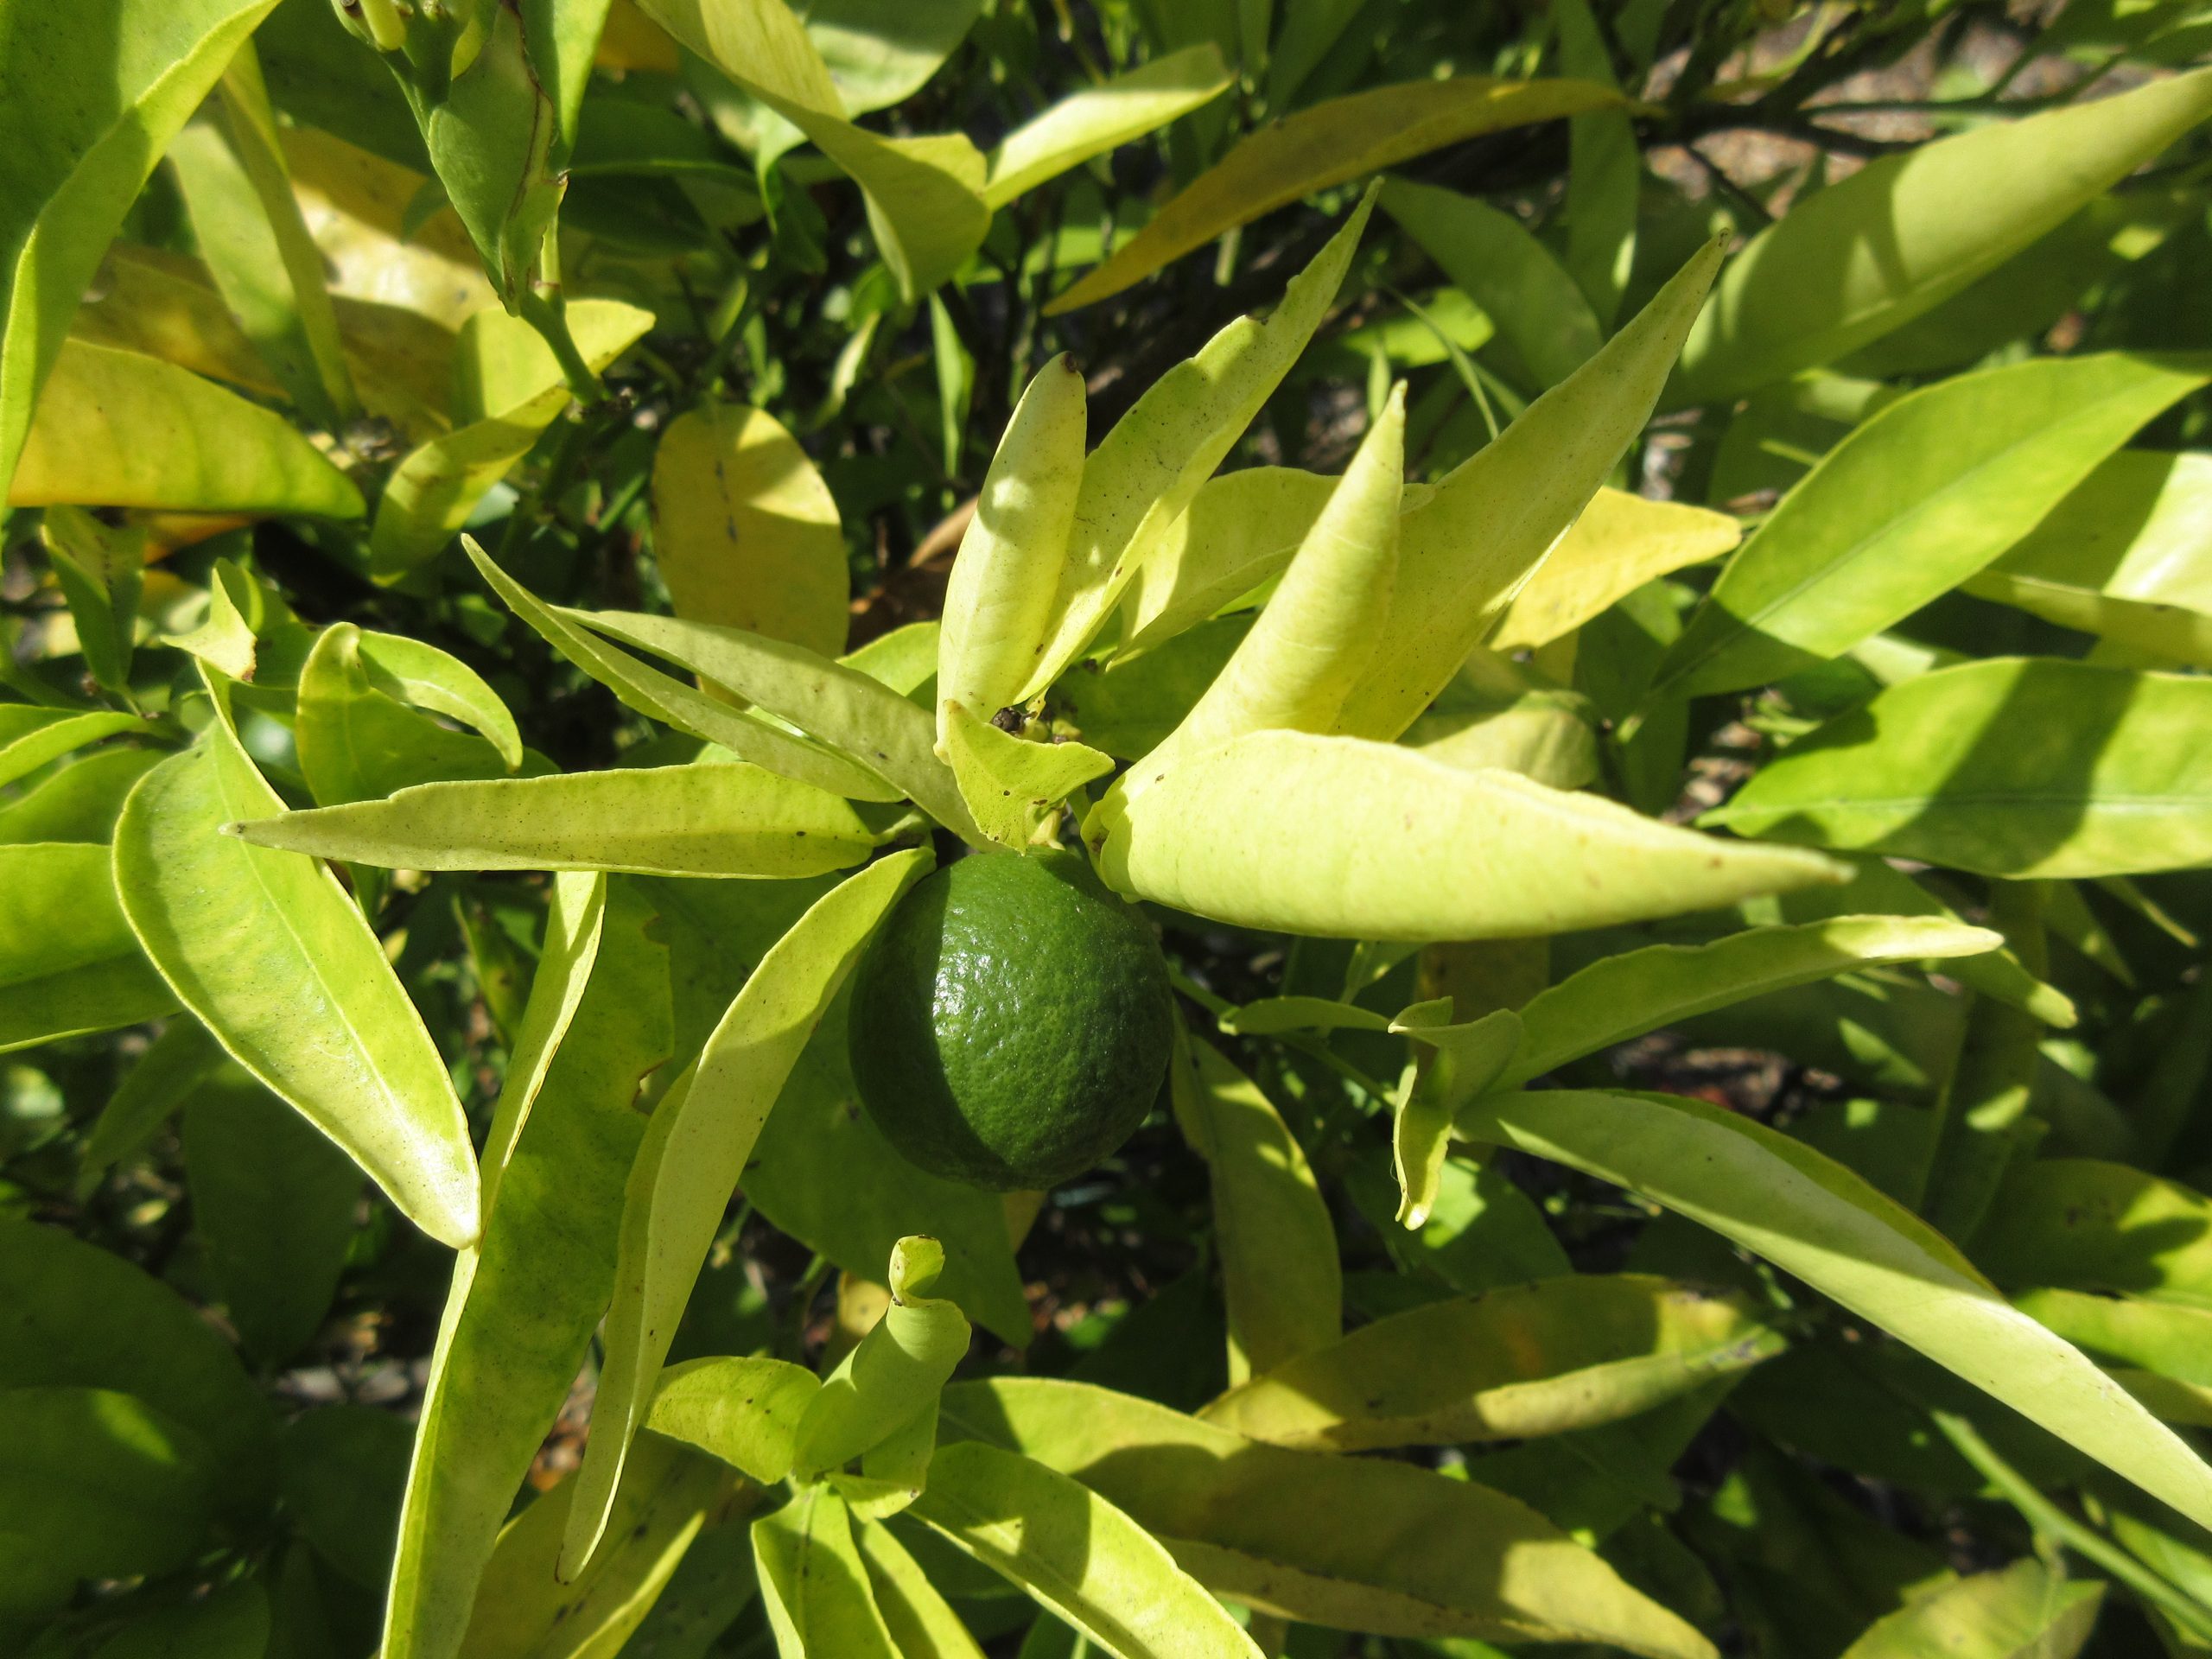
879	830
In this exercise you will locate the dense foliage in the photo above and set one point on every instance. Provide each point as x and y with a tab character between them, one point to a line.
1625	586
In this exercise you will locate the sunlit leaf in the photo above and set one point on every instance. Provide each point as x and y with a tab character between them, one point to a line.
93	97
1913	502
745	531
1905	233
1241	834
525	1300
1148	468
1344	138
1623	996
1463	553
1407	1552
1077	1554
700	820
2011	767
694	1151
1103	117
117	429
1280	1272
224	921
512	391
998	602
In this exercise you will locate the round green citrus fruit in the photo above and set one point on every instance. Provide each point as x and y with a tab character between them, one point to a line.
1011	1023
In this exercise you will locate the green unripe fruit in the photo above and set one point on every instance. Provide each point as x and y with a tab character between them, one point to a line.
1012	1022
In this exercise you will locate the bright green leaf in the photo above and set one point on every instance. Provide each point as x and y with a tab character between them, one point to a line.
2011	767
1909	504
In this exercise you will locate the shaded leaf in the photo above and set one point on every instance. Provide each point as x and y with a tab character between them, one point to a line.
1280	1273
69	961
2022	1611
273	1204
1537	1359
1077	1554
1813	1217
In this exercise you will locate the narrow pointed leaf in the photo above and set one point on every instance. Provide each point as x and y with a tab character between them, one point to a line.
1463	553
2010	766
1318	632
1624	996
665	698
2169	634
1012	785
745	531
117	429
526	1300
1407	1552
1813	286
1240	530
93	95
1349	839
1280	1271
1812	1216
1329	144
357	741
1910	503
859	717
697	820
1103	117
1620	541
1604	170
920	1621
226	921
693	1151
998	604
1139	481
434	489
1544	1359
814	1584
30	737
524	1612
1077	1554
1497	261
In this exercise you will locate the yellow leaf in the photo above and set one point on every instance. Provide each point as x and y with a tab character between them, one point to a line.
1341	139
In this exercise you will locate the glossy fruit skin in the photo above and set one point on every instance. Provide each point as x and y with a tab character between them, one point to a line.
1012	1022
